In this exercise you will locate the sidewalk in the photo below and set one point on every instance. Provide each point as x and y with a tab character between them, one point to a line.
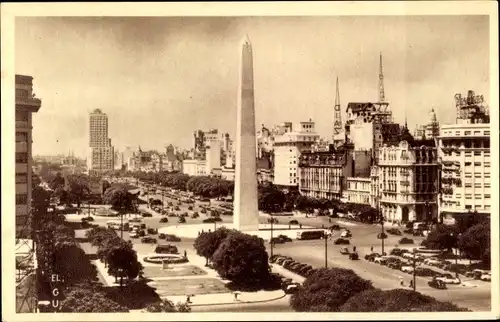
229	298
275	268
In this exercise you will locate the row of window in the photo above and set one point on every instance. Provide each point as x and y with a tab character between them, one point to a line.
21	199
21	157
476	132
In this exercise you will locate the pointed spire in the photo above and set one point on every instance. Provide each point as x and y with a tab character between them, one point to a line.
381	94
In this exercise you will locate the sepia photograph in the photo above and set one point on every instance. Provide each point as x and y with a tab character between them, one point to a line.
198	159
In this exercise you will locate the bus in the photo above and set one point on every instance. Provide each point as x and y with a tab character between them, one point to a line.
310	234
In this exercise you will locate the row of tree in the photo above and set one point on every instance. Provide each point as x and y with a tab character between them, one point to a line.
341	290
470	234
209	187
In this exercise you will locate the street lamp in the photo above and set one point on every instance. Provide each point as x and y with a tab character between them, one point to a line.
325	237
414	269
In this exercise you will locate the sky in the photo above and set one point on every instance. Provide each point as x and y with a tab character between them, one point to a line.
161	78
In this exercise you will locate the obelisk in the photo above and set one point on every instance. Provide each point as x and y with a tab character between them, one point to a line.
246	212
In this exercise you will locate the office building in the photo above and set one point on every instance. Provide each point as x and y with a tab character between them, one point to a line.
101	152
26	105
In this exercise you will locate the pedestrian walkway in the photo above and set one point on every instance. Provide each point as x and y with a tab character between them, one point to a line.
228	298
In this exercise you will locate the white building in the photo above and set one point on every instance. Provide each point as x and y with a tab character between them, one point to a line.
464	150
101	152
194	167
213	157
287	150
466	169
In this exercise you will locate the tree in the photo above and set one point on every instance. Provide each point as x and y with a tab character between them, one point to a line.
207	243
89	300
166	305
475	243
270	199
78	188
71	263
119	198
242	259
396	300
98	234
123	257
57	182
327	289
443	237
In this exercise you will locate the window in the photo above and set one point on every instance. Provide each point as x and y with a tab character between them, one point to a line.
487	196
477	196
21	157
468	175
477	175
21	199
477	164
486	132
21	178
468	196
21	137
22	116
468	163
477	185
477	132
487	185
21	93
487	164
468	185
467	133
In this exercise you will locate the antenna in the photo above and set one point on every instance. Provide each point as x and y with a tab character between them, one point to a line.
381	94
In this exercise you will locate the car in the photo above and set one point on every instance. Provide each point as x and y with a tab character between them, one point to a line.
148	240
276	240
432	261
285	238
346	234
166	249
172	238
304	270
285	282
292	288
394	265
299	267
162	236
344	251
134	234
280	260
335	227
138	220
146	214
435	283
371	257
353	256
181	220
486	277
381	260
164	220
449	279
477	273
295	266
287	262
407	269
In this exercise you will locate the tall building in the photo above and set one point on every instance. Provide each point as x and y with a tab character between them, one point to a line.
26	104
429	130
464	150
323	174
408	178
101	152
287	150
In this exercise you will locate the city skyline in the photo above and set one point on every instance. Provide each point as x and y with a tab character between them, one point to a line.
188	72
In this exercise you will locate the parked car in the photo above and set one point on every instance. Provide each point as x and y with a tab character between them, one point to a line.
407	269
303	271
152	231
280	261
134	234
486	277
449	279
182	220
371	257
162	236
146	214
164	220
335	227
148	240
353	256
435	283
292	288
432	261
172	238
477	273
381	260
289	264
394	265
276	240
293	222
344	251
135	220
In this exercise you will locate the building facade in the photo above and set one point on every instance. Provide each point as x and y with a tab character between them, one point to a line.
464	151
194	167
323	174
101	153
357	190
26	105
287	150
408	178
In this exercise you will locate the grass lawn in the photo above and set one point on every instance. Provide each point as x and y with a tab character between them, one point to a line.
173	270
189	286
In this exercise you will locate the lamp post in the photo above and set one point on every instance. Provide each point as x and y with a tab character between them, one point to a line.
325	237
272	242
414	270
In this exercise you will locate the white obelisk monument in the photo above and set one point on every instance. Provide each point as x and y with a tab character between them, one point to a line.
246	212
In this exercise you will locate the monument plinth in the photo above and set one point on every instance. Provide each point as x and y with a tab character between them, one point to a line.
246	212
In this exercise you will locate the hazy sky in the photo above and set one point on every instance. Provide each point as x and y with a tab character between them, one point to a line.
160	79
